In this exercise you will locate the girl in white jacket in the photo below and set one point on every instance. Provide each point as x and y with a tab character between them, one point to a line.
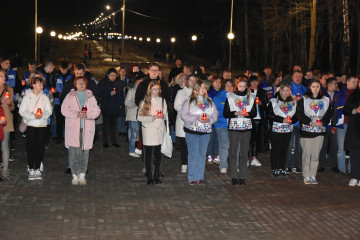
35	109
152	112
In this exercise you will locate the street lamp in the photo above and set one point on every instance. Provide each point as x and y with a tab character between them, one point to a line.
108	7
140	39
123	31
194	38
148	39
172	47
39	30
172	39
231	35
52	34
158	40
60	36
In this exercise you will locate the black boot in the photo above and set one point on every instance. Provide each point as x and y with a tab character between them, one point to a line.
242	182
157	177
150	180
234	181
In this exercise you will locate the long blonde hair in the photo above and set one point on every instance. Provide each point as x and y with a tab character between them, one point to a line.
245	80
146	105
289	98
195	93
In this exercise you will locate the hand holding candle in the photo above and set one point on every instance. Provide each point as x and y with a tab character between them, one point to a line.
298	97
7	95
23	82
52	90
289	119
3	119
244	112
257	100
38	113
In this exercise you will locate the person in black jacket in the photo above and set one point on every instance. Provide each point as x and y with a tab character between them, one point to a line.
314	114
352	137
281	111
240	108
142	88
258	131
176	70
112	100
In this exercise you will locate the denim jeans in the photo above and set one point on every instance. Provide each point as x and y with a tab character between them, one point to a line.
223	139
294	161
196	155
340	134
134	127
79	158
213	147
121	125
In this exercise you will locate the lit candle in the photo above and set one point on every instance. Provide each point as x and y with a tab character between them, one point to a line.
84	109
204	117
3	118
114	89
7	95
159	112
39	112
52	90
289	119
318	120
23	82
257	100
298	96
244	111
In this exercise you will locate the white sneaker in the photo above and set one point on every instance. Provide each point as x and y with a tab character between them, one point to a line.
248	163
359	184
75	180
138	151
31	174
82	179
353	182
255	163
38	174
217	160
209	160
183	168
223	170
134	155
143	171
313	180
27	168
307	180
41	167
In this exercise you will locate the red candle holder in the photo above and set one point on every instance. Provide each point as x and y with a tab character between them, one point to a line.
84	109
298	96
7	95
39	112
114	89
244	111
23	82
204	117
257	100
3	118
159	112
289	119
318	120
52	90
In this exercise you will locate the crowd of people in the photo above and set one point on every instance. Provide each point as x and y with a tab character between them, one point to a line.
304	120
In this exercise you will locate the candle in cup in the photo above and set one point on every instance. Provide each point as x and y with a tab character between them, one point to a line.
159	112
3	118
289	119
204	117
39	112
23	82
84	109
114	89
7	95
298	96
318	120
257	100
52	90
244	111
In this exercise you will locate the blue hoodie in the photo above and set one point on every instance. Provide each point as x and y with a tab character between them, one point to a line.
219	101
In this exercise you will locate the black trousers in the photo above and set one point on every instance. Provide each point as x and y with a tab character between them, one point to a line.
329	147
151	151
110	128
355	164
60	121
183	149
280	144
15	120
256	138
35	145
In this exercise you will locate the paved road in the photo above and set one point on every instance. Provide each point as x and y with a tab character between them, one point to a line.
117	204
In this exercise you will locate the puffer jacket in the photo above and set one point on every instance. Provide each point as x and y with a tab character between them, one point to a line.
70	108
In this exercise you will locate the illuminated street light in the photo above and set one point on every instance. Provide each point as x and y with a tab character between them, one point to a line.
194	38
148	39
135	38
158	40
140	39
230	36
60	36
172	39
108	7
39	30
52	34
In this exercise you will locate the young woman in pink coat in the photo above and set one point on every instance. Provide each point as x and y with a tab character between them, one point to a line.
80	110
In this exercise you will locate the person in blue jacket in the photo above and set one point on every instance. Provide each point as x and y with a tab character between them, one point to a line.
221	126
61	76
292	162
213	147
32	68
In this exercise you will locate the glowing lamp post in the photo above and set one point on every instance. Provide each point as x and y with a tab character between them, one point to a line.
194	39
230	36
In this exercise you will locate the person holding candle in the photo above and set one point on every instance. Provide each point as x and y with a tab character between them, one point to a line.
7	103
198	113
314	113
112	101
152	113
352	136
80	110
36	124
240	108
282	116
180	98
